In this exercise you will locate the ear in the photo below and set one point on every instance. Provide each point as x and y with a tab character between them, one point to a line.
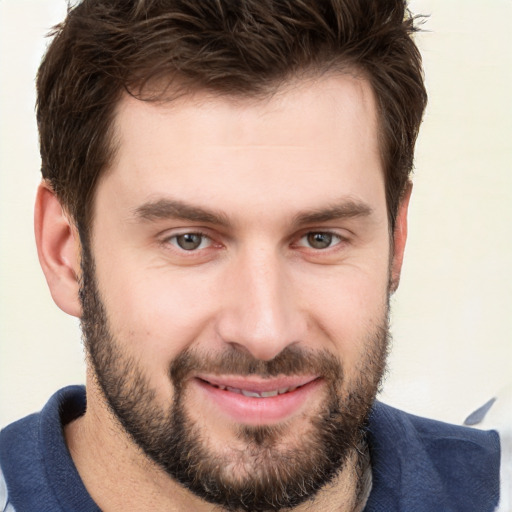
58	248
399	238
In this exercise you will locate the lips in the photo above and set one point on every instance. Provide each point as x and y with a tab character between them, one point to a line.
257	384
256	401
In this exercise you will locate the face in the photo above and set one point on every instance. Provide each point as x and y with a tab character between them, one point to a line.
235	290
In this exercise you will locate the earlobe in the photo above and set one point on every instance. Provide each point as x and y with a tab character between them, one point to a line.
400	238
58	248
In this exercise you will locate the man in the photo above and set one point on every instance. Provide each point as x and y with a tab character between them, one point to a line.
224	207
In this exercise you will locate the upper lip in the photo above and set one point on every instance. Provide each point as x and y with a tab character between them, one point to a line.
258	384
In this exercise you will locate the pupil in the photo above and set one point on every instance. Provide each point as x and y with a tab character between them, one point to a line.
319	240
189	241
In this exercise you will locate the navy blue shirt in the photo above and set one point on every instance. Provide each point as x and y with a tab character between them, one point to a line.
418	465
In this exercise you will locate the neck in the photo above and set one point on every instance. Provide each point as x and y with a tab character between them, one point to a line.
119	476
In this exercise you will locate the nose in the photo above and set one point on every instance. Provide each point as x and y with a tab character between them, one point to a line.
261	312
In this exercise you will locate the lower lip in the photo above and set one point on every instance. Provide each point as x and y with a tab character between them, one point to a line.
259	411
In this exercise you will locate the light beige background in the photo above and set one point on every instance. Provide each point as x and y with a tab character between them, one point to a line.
452	317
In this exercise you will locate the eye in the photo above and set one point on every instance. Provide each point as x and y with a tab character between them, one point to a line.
190	241
319	240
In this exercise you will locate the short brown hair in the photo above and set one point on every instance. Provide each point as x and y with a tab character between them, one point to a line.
234	47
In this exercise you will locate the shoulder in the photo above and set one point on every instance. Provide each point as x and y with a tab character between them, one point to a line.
421	464
21	459
5	504
34	459
496	414
431	433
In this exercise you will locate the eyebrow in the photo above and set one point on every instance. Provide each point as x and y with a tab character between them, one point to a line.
175	209
344	209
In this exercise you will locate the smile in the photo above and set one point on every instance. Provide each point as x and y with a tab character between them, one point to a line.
256	401
256	394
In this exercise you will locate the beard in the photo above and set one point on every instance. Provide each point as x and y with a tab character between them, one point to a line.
272	469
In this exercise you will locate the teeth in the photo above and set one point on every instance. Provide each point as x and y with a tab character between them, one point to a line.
254	394
266	394
250	394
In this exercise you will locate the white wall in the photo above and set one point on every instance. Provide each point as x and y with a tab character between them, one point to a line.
452	317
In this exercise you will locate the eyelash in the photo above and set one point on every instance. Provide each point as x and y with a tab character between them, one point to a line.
334	237
204	237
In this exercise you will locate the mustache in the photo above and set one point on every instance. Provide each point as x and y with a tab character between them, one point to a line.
293	360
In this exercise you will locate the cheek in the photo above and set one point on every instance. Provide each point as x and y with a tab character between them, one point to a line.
153	312
348	308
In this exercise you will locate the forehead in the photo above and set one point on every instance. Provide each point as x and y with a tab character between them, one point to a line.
295	110
215	148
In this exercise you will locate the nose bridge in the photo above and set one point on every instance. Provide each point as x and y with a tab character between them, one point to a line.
261	315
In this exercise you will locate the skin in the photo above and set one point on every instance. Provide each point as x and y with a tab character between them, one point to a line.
264	169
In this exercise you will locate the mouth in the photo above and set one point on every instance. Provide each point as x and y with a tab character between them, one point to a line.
251	390
256	394
256	401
